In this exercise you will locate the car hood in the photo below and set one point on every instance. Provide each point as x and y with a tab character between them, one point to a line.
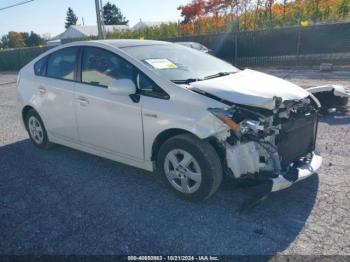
252	88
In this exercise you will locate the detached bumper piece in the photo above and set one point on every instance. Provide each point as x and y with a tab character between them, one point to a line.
297	174
331	96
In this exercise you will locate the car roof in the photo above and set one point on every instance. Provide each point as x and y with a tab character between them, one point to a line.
120	43
187	43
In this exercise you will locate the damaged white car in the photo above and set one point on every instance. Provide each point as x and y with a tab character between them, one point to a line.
161	106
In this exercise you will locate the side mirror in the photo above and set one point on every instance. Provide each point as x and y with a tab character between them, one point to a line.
122	87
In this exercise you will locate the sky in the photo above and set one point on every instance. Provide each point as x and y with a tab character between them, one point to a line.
48	16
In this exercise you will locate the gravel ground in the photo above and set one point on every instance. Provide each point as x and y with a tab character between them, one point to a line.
310	78
63	201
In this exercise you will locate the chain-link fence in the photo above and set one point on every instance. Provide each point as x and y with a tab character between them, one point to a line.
294	46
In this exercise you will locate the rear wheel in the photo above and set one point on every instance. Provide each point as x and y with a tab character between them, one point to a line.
190	166
36	130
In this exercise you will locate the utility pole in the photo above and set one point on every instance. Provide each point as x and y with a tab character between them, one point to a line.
99	19
104	34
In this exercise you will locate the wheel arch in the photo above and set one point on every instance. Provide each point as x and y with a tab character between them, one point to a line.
169	133
164	136
24	112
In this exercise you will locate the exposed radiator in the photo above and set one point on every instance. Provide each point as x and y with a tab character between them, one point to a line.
298	137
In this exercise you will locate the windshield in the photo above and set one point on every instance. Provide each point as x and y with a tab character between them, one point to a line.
180	64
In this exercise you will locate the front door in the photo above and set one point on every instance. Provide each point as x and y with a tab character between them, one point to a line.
107	122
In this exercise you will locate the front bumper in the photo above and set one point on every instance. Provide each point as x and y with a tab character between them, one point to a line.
301	172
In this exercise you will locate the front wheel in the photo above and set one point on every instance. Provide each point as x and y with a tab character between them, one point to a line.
190	166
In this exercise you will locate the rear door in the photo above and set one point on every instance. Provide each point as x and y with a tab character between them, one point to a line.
56	89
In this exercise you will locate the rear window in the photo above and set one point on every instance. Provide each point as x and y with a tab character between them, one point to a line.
40	67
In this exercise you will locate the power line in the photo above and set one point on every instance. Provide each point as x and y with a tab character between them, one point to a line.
17	4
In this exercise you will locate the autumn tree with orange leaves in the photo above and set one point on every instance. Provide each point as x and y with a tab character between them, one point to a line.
253	14
215	16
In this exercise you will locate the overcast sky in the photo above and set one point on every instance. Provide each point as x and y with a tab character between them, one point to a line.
48	16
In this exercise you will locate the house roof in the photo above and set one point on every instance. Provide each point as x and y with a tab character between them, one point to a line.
88	30
143	24
91	30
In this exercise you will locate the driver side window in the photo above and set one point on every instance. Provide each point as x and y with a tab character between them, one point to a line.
100	67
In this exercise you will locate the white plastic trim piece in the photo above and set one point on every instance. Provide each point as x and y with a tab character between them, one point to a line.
305	171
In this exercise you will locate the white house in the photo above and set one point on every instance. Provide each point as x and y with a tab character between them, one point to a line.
81	31
143	24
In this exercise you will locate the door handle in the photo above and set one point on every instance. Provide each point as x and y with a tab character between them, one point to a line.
42	90
83	101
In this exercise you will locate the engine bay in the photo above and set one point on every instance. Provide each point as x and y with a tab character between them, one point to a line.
269	141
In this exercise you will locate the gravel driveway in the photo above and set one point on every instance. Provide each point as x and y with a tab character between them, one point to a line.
63	201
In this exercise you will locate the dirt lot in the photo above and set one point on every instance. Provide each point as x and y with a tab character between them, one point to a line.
63	201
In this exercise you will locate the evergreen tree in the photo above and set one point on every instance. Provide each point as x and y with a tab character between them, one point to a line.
4	43
71	18
113	16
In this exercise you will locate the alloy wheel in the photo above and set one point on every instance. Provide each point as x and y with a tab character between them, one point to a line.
182	171
36	130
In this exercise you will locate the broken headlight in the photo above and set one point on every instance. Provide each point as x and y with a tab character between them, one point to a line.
248	126
251	126
226	117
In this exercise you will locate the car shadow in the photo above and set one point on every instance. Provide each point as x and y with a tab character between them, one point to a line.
63	201
338	118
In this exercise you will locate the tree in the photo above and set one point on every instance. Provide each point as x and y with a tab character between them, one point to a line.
343	8
25	37
71	18
113	16
192	11
4	43
15	40
32	39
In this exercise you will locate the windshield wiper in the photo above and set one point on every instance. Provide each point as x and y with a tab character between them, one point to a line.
218	75
191	80
187	81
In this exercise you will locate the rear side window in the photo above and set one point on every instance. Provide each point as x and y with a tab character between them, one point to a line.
62	64
40	67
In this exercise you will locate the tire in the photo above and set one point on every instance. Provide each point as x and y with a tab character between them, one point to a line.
36	130
190	166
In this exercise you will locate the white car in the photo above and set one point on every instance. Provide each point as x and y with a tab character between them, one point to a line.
161	106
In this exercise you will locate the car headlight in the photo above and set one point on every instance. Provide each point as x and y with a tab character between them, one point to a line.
226	117
244	127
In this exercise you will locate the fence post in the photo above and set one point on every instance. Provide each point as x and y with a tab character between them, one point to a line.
235	27
236	46
298	47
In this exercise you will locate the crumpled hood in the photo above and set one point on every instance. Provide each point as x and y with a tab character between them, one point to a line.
251	88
